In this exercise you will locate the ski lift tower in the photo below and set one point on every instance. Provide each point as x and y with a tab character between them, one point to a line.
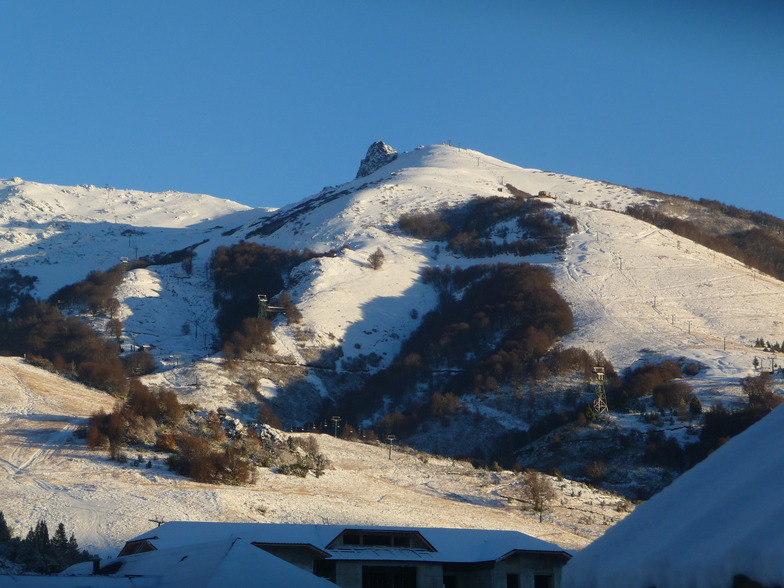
265	309
600	404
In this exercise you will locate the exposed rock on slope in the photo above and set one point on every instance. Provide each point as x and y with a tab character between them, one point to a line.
378	155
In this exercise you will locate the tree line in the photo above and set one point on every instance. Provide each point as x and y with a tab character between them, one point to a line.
240	273
756	247
39	552
69	346
492	325
472	229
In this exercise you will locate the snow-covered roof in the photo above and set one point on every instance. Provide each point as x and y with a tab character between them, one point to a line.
76	582
720	519
448	545
214	564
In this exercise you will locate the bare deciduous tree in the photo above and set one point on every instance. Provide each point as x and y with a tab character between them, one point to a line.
759	390
376	259
538	489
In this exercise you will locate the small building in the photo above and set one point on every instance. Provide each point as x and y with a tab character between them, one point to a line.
214	564
368	557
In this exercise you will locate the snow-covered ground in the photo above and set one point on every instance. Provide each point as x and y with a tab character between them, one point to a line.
46	473
718	520
637	292
60	233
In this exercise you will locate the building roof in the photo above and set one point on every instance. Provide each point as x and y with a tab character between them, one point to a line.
437	545
212	564
720	519
74	582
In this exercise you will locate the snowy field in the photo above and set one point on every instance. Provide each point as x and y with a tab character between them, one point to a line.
49	474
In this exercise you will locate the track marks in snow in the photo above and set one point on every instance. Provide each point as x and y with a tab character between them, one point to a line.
632	287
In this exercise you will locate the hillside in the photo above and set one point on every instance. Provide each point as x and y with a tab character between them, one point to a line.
47	473
59	233
631	286
636	294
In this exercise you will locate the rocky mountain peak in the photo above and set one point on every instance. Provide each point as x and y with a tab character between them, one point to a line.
378	155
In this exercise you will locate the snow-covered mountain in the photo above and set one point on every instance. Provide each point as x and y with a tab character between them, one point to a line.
60	233
637	292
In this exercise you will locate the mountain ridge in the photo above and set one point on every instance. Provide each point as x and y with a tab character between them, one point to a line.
638	294
362	215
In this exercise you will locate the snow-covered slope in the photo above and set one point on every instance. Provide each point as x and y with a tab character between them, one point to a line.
636	291
46	473
720	519
60	233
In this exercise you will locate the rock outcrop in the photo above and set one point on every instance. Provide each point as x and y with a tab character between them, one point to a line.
378	155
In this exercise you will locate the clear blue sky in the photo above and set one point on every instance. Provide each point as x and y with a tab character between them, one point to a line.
266	102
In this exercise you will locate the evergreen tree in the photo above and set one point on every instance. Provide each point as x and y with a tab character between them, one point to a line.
5	532
39	538
60	539
35	551
695	407
39	553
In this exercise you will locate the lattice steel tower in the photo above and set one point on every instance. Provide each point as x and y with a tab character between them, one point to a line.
600	404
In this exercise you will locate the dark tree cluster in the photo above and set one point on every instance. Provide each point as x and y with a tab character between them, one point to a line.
182	256
513	304
755	247
199	459
143	416
242	272
651	379
39	552
94	294
468	229
208	448
66	344
761	343
762	219
562	360
759	391
212	458
15	289
719	424
664	451
200	448
63	344
252	333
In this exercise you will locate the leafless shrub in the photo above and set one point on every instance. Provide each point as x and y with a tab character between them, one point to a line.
376	259
538	489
